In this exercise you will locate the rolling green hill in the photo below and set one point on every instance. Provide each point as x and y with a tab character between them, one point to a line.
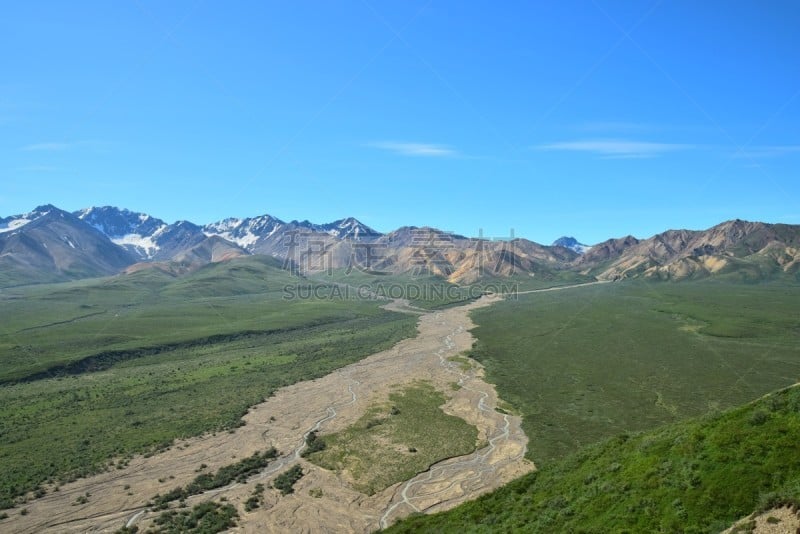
44	329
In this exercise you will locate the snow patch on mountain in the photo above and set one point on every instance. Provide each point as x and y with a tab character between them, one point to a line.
15	222
136	232
244	232
142	245
349	228
245	240
115	222
11	224
572	244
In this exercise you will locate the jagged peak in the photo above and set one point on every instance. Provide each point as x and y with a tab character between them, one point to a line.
44	208
571	243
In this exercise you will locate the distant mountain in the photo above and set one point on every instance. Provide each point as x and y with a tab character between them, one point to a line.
607	250
464	260
572	244
415	236
49	244
748	250
245	232
266	234
133	231
151	239
146	237
212	249
177	238
15	222
348	228
116	222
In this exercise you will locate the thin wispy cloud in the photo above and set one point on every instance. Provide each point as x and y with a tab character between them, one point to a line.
415	149
616	148
46	147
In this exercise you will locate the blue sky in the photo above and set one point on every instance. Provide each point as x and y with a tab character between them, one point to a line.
593	119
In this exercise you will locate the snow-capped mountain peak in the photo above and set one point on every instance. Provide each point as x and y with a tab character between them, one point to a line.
244	232
572	244
15	222
225	225
116	222
136	232
350	228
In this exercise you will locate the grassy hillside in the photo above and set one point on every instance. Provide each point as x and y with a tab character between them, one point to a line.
141	360
44	328
695	476
588	363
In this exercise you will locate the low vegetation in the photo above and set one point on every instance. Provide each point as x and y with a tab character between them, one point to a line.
585	364
205	518
313	444
697	476
465	364
198	336
433	292
285	481
395	441
256	498
237	472
423	291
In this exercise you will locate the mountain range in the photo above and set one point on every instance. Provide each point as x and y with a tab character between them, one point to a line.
49	245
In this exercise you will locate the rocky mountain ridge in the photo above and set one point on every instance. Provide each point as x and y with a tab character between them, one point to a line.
49	244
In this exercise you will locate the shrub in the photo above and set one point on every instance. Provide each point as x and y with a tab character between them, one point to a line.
286	480
255	499
252	503
314	444
208	518
758	418
239	472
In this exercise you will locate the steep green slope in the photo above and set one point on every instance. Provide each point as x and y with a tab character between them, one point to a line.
695	476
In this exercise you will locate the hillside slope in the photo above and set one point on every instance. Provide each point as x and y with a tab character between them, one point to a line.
695	476
49	244
746	250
